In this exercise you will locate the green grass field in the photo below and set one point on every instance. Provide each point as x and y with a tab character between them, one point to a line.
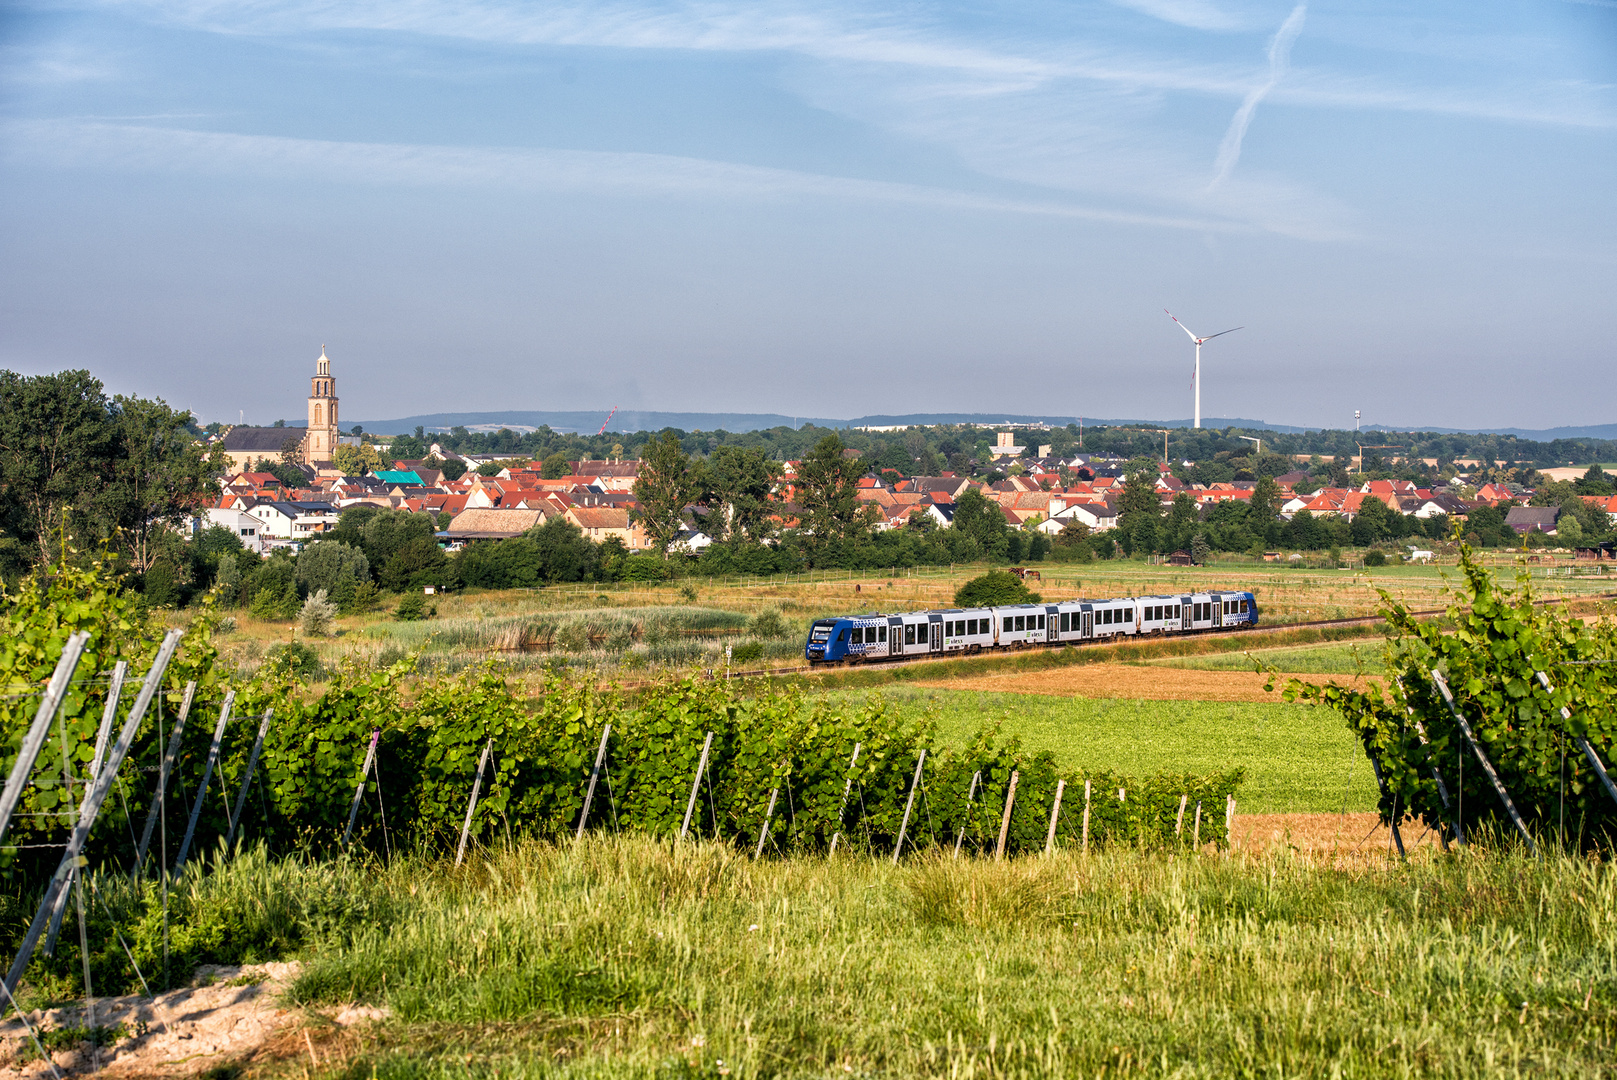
1299	759
1317	660
630	957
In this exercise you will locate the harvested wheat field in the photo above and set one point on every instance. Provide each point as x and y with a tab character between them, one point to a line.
1132	681
1339	841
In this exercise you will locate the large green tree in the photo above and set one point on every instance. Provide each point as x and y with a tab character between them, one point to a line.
741	482
828	490
112	470
669	481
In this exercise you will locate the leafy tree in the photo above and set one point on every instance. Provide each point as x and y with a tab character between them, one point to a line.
357	460
452	469
1200	550
741	482
556	466
318	615
568	554
128	469
407	448
993	589
1594	482
669	481
827	490
327	564
417	562
490	468
1139	510
1370	523
1265	505
980	518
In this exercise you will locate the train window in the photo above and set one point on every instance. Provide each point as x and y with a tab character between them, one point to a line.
1007	627
1244	608
1041	622
1065	623
843	636
1021	622
881	634
909	633
971	626
1128	614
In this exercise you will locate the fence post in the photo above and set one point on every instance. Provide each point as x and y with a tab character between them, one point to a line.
114	692
1583	743
696	785
1055	812
763	830
247	780
166	764
1381	782
90	808
1179	822
1196	836
471	805
1229	818
1005	822
847	789
970	793
55	690
908	804
359	789
207	775
1482	759
1086	817
595	774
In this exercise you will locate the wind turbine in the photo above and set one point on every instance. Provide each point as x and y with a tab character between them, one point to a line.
1196	378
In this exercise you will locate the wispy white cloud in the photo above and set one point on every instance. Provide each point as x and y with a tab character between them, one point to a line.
1229	150
126	147
1196	14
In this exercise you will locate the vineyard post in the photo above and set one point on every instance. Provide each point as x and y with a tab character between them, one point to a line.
1482	759
763	830
908	804
1381	781
247	780
1179	822
171	752
1196	835
1055	813
1437	776
35	740
90	808
1005	822
595	773
1086	817
847	788
1583	743
696	786
1229	817
471	804
207	775
972	791
114	692
359	789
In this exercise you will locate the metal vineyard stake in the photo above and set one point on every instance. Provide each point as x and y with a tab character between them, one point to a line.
1055	812
207	777
1005	822
696	786
471	804
909	805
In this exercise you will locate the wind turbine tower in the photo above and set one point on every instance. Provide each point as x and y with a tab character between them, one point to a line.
1196	376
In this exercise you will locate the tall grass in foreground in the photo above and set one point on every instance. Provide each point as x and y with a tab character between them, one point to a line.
631	957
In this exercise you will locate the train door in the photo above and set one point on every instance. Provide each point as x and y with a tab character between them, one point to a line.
895	639
1185	611
1218	611
937	636
1089	624
1051	619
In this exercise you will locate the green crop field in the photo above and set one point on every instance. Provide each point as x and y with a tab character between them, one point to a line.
1298	759
1313	660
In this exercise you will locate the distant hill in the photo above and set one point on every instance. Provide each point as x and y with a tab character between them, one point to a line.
636	420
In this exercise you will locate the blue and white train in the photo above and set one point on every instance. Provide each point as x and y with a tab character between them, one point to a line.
860	638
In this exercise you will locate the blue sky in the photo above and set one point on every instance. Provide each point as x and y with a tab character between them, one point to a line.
821	209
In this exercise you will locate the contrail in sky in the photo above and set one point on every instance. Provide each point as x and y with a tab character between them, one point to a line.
1229	151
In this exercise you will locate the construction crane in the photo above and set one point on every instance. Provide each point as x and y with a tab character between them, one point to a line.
609	417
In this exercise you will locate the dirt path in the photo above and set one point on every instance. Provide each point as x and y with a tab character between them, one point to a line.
229	1015
1125	681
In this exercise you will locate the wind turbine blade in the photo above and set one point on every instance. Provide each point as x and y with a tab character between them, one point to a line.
1181	325
1221	333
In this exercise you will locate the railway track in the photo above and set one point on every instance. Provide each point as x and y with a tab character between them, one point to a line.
1099	643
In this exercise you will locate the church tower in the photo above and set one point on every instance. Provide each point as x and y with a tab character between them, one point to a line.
321	442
